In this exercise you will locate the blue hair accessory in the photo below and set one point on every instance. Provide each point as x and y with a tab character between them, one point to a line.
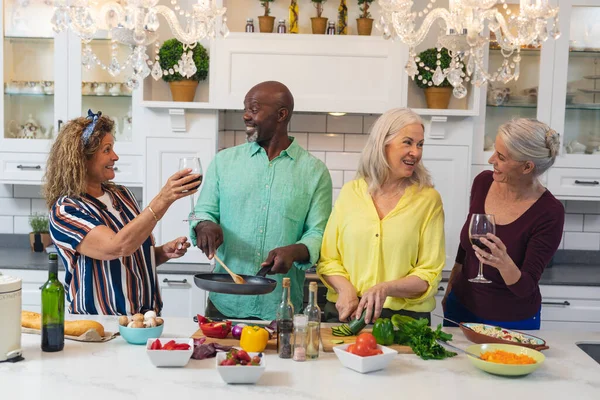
90	128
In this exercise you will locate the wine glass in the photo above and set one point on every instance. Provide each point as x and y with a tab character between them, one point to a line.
196	166
480	226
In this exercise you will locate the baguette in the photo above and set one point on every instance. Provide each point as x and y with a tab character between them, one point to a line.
33	320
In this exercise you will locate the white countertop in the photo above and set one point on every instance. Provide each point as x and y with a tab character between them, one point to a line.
117	370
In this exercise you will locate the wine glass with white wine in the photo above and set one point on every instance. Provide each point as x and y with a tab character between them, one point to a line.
195	165
480	226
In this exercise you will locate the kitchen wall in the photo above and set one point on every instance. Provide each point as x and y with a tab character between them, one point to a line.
337	141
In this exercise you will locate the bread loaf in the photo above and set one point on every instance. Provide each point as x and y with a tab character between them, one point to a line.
33	320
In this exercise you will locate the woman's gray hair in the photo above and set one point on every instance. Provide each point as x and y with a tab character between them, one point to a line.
373	165
528	139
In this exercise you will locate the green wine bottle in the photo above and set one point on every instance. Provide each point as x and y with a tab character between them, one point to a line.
53	309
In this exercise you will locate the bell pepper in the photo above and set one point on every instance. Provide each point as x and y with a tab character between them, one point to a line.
383	330
218	330
254	339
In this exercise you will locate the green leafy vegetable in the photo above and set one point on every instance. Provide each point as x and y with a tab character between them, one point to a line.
421	338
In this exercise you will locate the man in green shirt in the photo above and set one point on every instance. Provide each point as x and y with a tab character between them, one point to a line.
265	202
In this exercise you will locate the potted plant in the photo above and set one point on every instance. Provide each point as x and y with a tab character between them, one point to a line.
39	238
364	24
319	23
266	22
182	89
437	97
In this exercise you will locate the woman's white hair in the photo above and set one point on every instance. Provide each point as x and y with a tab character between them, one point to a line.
528	139
373	165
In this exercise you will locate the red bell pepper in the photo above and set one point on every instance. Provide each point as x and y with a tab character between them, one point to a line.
218	330
202	319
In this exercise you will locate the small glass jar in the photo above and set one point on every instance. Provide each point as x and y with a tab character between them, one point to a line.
331	28
281	27
300	323
249	25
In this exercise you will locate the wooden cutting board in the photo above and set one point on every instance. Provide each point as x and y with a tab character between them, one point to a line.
328	345
230	341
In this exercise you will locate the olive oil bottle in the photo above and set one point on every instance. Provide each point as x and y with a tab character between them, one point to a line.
53	309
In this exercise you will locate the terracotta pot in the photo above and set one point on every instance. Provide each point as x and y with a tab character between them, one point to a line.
39	241
364	26
438	97
266	24
183	90
319	25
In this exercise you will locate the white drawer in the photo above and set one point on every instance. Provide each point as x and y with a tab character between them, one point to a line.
128	170
574	182
22	168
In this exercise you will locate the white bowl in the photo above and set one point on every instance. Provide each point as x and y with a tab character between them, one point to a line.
170	358
364	364
240	373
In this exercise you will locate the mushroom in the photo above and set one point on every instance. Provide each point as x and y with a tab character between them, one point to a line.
123	320
149	314
138	317
159	321
130	324
137	324
150	323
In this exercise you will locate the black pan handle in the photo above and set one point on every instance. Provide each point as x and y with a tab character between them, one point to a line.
264	271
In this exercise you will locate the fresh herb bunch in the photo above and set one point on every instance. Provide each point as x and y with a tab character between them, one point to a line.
265	4
39	223
421	338
319	6
429	58
170	54
364	8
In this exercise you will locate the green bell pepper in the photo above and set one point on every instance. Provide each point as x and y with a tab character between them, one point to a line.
383	330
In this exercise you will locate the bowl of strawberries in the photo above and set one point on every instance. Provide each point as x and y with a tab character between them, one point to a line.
239	366
365	355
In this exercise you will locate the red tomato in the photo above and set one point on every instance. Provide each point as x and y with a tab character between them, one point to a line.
156	345
228	361
255	360
170	345
361	349
242	355
367	339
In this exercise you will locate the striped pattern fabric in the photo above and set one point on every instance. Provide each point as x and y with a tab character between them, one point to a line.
122	286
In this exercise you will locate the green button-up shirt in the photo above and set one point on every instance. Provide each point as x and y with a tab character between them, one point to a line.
262	205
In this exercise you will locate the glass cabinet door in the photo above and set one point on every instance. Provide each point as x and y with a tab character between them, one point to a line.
30	84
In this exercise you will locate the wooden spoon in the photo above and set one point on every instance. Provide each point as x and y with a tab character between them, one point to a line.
236	278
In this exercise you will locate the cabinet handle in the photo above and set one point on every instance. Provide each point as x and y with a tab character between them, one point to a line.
441	289
60	122
556	303
29	166
167	280
578	182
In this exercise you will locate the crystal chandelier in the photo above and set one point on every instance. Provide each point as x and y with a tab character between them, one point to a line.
135	23
463	27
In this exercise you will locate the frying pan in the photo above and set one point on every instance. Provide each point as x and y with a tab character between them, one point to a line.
223	283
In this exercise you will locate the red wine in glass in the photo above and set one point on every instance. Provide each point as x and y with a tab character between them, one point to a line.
479	226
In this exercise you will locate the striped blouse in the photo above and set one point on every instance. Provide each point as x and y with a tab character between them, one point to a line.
126	285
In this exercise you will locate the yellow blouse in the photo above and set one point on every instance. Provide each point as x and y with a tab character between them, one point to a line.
367	250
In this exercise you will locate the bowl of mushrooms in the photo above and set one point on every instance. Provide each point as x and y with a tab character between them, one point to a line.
140	327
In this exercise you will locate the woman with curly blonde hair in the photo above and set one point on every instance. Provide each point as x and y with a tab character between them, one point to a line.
103	238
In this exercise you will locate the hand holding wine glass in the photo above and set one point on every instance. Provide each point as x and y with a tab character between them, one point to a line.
195	165
479	227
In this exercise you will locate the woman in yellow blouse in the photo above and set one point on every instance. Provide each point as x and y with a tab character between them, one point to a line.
383	247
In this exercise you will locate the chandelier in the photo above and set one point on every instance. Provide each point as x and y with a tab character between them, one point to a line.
135	23
462	28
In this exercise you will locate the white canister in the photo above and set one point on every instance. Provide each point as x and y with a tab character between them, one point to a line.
10	317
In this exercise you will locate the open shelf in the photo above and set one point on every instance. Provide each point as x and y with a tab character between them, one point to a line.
190	105
446	112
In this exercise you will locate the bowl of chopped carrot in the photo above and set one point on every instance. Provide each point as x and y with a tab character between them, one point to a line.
505	359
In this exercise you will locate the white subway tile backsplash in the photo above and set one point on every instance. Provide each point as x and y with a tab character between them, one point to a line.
6	190
591	223
319	154
28	191
301	139
337	179
308	123
573	223
240	137
6	225
39	206
583	207
234	121
368	122
335	194
345	124
349	175
561	245
22	225
582	241
339	160
355	142
15	206
228	138
325	142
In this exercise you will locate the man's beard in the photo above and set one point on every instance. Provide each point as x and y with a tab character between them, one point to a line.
254	137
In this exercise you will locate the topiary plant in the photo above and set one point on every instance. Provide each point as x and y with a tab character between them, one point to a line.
319	6
170	54
265	4
365	8
429	58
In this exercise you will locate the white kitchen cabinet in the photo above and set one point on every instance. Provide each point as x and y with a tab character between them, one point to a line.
570	308
180	296
32	281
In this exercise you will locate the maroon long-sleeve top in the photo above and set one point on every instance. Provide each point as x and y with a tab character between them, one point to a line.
531	241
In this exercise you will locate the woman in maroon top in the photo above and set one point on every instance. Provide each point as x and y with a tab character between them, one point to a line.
529	225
